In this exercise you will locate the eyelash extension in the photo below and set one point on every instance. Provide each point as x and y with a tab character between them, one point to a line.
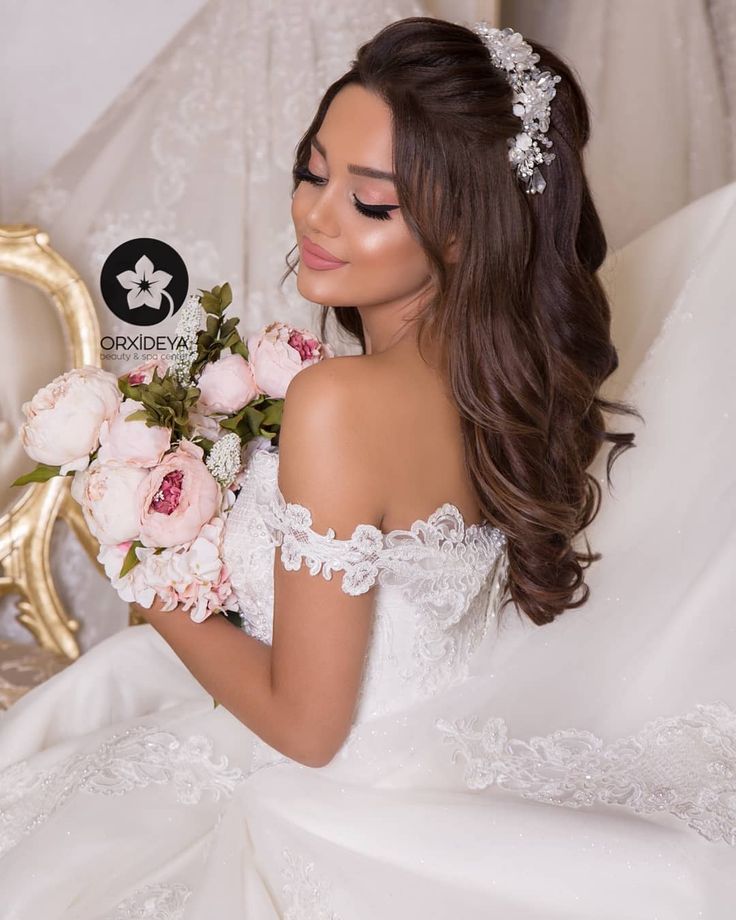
378	212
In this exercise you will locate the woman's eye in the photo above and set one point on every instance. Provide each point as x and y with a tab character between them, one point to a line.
376	211
301	172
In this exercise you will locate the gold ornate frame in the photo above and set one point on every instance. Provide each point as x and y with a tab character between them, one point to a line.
25	530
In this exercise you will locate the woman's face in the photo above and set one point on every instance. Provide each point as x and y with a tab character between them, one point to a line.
353	216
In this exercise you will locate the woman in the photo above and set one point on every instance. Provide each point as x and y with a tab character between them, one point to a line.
427	481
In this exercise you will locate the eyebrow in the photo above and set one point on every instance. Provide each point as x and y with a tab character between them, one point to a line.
357	170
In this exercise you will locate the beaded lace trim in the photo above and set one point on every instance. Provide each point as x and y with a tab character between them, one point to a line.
442	566
156	901
131	759
306	896
684	765
437	551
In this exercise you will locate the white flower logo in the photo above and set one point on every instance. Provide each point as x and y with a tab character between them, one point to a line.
145	286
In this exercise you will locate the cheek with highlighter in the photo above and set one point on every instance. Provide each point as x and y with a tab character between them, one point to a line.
383	263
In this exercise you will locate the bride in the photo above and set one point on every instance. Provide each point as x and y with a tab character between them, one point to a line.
405	566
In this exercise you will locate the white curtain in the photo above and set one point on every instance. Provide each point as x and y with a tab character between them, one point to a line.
197	150
661	84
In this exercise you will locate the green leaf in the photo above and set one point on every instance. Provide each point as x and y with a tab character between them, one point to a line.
226	295
273	413
205	443
140	415
211	306
131	560
231	340
42	473
254	419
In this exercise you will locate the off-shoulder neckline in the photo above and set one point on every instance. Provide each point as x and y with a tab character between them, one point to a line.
434	520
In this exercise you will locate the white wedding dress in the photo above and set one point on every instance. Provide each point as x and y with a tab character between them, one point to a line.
583	769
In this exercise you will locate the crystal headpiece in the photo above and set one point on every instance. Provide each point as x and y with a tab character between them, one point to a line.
533	90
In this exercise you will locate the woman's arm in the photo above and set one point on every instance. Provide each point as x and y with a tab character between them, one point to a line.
299	694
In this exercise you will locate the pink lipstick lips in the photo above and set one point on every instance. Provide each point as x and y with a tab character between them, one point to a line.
316	257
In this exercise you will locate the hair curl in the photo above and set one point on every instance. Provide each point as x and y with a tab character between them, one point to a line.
524	314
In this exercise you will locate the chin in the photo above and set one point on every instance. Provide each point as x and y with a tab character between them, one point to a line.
321	292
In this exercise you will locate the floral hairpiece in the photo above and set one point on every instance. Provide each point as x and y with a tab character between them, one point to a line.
533	91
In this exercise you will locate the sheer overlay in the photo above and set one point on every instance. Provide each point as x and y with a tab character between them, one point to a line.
582	769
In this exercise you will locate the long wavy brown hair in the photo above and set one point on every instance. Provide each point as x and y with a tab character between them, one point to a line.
524	315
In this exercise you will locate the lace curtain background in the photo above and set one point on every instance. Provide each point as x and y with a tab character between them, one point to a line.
213	120
216	116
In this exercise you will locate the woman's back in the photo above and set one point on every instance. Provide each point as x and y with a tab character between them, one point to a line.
434	575
423	460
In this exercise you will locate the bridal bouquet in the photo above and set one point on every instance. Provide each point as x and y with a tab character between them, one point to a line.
158	454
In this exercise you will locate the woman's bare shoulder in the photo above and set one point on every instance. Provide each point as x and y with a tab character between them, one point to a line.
342	386
330	444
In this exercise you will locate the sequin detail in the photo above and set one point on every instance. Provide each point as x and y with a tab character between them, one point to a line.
435	552
684	765
305	896
126	761
156	901
448	576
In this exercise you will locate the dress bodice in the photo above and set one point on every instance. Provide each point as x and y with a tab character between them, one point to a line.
436	584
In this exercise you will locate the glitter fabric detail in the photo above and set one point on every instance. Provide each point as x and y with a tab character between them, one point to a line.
684	765
156	901
306	897
126	761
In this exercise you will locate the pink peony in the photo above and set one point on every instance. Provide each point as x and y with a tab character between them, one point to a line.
64	418
194	576
177	497
279	352
205	426
143	373
107	493
226	385
132	442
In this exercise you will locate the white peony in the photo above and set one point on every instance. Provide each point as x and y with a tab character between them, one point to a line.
64	418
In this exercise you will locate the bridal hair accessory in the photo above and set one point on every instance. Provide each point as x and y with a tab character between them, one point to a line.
533	91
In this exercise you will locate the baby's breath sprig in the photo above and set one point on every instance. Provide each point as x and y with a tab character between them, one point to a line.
187	332
223	461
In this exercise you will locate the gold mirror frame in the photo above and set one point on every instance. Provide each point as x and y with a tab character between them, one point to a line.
25	530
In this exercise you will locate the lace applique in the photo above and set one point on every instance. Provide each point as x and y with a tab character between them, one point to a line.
436	553
128	760
684	765
248	553
305	897
440	565
156	901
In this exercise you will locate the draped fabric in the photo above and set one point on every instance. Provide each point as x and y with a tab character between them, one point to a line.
586	768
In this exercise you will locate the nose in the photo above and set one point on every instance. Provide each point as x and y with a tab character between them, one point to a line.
321	217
